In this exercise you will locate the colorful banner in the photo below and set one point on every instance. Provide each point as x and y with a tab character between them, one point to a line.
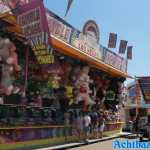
112	40
145	88
129	52
32	19
123	46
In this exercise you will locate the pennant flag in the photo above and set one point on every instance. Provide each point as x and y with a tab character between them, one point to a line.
123	46
129	52
68	6
112	40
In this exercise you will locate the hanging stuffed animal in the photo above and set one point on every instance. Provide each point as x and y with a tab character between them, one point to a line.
54	80
9	58
75	73
82	84
66	67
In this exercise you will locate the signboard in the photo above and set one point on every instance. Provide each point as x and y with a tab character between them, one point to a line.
124	65
88	40
32	19
145	88
86	45
40	49
114	60
58	28
35	20
132	94
83	41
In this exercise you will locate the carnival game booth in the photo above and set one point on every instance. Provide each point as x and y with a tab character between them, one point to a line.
60	72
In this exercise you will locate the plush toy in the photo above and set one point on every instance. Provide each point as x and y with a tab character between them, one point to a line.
54	72
8	57
75	74
69	92
82	84
66	67
54	80
122	92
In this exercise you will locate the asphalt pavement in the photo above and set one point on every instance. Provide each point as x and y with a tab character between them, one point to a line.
105	145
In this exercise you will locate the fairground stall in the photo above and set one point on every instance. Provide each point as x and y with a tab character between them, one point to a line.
138	102
50	72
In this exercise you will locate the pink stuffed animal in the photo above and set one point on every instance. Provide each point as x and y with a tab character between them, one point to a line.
82	84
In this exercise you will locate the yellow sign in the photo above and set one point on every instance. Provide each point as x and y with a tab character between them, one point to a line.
42	54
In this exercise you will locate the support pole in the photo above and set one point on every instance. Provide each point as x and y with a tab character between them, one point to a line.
26	71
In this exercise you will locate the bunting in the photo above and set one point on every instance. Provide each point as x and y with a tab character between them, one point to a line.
68	7
129	52
123	46
112	40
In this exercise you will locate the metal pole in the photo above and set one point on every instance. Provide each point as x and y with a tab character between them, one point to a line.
26	70
136	86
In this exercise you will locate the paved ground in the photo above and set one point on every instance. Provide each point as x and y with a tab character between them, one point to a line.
105	145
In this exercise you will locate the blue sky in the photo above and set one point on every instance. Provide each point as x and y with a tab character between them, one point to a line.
130	19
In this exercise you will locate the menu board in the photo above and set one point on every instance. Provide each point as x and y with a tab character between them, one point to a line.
145	88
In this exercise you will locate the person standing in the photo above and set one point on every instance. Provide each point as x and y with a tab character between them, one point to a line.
79	125
101	125
87	122
136	124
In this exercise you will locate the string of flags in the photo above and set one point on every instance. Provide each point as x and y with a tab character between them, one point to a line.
123	46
